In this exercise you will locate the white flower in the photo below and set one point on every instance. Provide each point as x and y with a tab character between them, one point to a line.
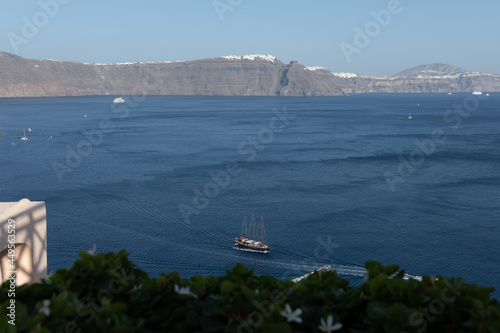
183	291
328	327
292	315
45	308
91	252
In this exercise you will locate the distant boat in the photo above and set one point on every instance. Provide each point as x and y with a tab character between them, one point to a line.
24	137
85	115
246	244
477	92
418	103
409	115
118	100
487	94
29	129
449	93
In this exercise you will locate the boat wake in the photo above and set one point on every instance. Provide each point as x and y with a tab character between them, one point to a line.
289	263
248	250
412	277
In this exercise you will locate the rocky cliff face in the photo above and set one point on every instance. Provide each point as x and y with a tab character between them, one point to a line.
433	78
257	75
402	84
229	76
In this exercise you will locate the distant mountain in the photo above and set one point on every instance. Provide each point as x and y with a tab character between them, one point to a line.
432	70
433	78
248	75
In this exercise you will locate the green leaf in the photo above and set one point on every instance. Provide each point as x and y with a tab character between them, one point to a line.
400	275
373	265
398	311
377	284
85	255
210	307
483	294
394	286
391	269
477	305
239	269
385	303
198	280
377	310
226	287
250	295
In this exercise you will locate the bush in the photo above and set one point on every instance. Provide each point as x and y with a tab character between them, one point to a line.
107	293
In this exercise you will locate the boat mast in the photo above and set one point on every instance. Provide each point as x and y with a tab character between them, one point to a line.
244	226
262	228
253	226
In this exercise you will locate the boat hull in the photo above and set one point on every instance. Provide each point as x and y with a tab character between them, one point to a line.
250	249
241	245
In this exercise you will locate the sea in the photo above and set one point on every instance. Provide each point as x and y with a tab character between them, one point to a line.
337	181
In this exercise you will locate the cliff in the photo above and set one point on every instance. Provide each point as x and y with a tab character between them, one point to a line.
402	84
252	75
228	76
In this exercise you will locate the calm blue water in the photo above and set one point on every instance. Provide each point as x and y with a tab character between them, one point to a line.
320	182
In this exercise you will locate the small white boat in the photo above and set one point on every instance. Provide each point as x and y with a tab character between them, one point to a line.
29	129
24	137
118	100
487	94
409	115
449	93
477	92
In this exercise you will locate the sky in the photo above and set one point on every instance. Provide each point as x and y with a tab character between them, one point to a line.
367	37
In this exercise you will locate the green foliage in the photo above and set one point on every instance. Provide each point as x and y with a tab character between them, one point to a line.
107	293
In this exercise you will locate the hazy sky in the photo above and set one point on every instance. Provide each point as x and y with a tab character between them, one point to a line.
314	32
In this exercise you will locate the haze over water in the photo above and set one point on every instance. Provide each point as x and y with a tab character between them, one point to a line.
320	182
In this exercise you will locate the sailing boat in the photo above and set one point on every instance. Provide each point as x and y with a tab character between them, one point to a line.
24	137
409	115
246	244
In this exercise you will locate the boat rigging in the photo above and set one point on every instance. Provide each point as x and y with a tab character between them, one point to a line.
246	244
